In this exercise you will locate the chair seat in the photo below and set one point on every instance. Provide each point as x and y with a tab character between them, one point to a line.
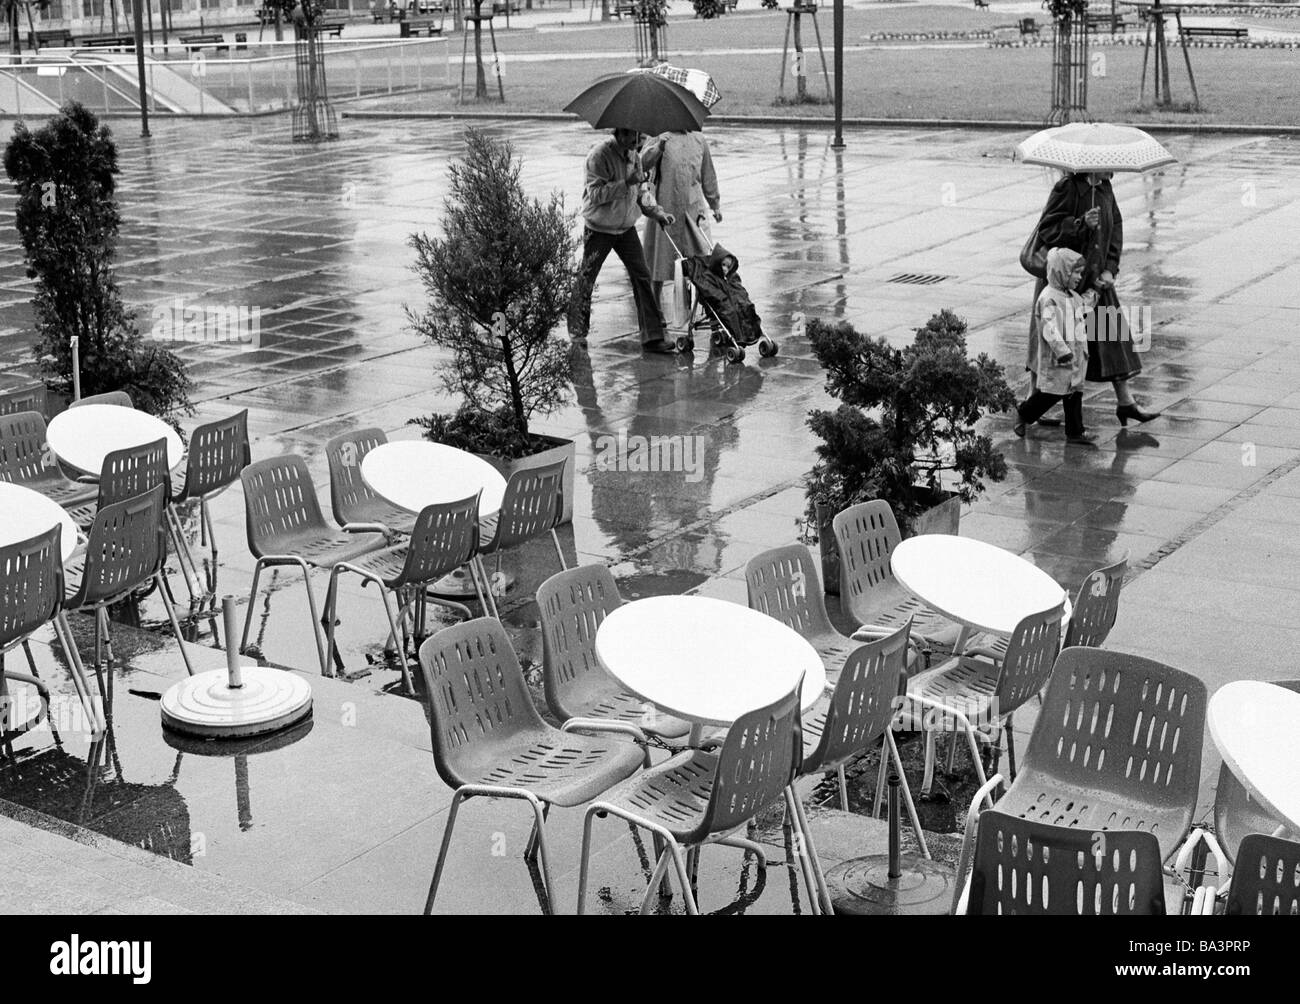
1045	798
385	565
833	648
614	704
673	795
72	575
83	515
55	487
895	605
813	724
325	549
378	511
562	768
962	684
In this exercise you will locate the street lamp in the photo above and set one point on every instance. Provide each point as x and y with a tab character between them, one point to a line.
839	75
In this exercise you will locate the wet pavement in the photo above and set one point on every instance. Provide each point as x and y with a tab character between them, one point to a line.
347	815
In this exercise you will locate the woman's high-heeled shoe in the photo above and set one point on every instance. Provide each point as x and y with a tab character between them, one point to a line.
1126	411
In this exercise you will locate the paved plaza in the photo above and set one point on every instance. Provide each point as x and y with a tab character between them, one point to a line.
346	816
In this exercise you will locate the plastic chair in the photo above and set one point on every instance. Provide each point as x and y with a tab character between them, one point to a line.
1117	746
489	740
29	397
218	452
285	526
857	715
533	504
127	547
118	397
980	695
26	459
1029	868
573	604
1095	608
783	583
701	797
1267	878
865	536
444	538
32	573
127	474
351	498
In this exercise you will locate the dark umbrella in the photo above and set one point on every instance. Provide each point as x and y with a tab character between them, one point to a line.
641	101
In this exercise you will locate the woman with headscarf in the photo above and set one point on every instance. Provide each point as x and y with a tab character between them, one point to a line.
1081	214
687	188
1058	352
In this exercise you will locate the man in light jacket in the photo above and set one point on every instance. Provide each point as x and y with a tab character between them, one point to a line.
613	199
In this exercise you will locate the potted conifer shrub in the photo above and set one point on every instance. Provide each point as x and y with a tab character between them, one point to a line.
905	429
498	280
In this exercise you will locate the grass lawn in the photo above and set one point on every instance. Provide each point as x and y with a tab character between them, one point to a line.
1247	86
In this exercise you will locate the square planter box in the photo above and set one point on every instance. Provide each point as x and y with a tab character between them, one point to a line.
555	451
942	518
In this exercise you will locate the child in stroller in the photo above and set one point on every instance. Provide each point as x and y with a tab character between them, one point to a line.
723	305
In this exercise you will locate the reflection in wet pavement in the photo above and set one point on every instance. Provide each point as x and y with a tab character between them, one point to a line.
347	815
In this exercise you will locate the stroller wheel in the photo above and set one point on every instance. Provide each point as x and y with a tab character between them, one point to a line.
768	348
718	338
735	354
685	343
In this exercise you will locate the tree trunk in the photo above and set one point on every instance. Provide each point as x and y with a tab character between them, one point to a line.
800	78
480	77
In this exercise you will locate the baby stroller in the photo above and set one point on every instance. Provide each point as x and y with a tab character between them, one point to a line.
719	302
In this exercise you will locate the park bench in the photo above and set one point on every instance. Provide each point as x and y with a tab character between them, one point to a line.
1105	22
55	36
1205	31
413	27
332	28
728	5
266	15
624	7
499	7
193	43
981	4
108	42
1028	26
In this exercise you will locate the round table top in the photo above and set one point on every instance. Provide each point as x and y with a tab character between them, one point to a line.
83	436
1256	727
973	583
704	660
25	513
412	474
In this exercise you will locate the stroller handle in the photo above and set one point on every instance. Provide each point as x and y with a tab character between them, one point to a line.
693	227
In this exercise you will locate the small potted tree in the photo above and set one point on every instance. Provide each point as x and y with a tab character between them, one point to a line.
65	175
651	20
905	430
498	280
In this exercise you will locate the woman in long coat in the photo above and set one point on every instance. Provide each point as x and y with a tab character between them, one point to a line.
1081	214
687	188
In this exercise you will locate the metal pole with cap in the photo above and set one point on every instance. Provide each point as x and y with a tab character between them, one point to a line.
139	66
839	75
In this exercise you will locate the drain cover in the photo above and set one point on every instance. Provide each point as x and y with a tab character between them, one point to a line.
918	278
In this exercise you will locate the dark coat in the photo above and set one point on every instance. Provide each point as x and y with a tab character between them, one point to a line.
724	294
1062	225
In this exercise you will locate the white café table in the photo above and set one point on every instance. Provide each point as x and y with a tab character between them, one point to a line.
977	585
25	513
1256	727
706	661
83	436
412	474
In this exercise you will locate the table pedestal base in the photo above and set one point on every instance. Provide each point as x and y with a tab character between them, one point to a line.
862	887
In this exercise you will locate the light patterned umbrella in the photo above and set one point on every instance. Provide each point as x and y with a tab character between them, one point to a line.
697	82
1094	146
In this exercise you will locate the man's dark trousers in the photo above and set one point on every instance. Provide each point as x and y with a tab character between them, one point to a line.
595	249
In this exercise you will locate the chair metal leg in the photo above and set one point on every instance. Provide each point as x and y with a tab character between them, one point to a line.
456	799
927	780
77	670
584	862
804	859
487	588
878	801
907	794
973	742
398	627
176	624
688	890
248	615
952	754
530	849
332	616
659	877
844	788
827	908
1011	746
559	552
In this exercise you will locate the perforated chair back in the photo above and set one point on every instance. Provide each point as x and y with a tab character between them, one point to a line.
218	452
1023	867
444	538
478	699
30	397
118	397
573	605
31	584
129	473
1096	606
25	455
1130	729
280	503
1236	813
349	493
865	536
783	583
533	504
863	703
1266	880
126	547
759	757
1031	654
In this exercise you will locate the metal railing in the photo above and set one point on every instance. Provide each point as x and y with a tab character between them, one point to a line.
243	79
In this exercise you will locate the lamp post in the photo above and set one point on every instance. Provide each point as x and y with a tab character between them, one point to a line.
139	66
839	75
